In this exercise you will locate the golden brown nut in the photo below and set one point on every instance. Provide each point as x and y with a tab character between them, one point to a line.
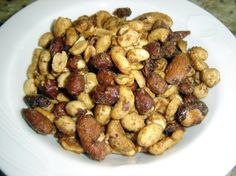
210	77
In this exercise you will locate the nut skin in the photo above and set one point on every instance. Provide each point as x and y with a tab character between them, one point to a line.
105	95
72	63
154	50
106	77
59	109
37	121
178	35
189	98
171	127
49	88
148	68
186	87
187	107
168	49
122	12
177	69
36	101
56	46
89	130
75	84
156	83
143	101
101	61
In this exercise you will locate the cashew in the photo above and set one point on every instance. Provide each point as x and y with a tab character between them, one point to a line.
71	36
59	62
89	52
103	43
32	69
102	113
61	80
128	38
173	107
159	34
44	59
66	125
73	107
124	104
29	87
60	26
118	57
71	144
45	39
137	55
210	77
138	76
78	47
90	82
149	135
133	122
200	91
85	97
46	113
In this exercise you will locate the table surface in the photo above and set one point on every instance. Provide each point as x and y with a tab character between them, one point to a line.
224	10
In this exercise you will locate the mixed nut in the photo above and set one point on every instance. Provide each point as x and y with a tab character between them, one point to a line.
105	84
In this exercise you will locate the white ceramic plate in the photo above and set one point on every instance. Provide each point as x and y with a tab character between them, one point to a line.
207	149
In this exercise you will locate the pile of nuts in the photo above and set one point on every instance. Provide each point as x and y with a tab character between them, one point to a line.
104	84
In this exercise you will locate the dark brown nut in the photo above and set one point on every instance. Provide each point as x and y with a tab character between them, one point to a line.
159	24
168	49
89	131
178	35
36	101
122	12
56	46
154	50
143	101
106	77
133	86
192	113
101	61
75	84
49	88
72	63
59	109
148	68
37	121
189	98
105	95
156	83
177	69
171	127
186	87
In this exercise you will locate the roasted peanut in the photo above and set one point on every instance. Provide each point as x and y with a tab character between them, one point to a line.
122	79
89	52
30	87
210	77
101	61
75	84
36	101
159	34
149	135
103	43
59	62
173	107
45	39
172	89
119	59
85	97
199	64
61	80
186	87
66	125
133	122
137	55
200	91
49	88
157	118
44	59
90	82
59	109
198	53
56	46
60	26
46	113
154	50
124	104
139	78
122	12
101	17
102	113
78	47
71	36
75	108
156	83
161	104
106	77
